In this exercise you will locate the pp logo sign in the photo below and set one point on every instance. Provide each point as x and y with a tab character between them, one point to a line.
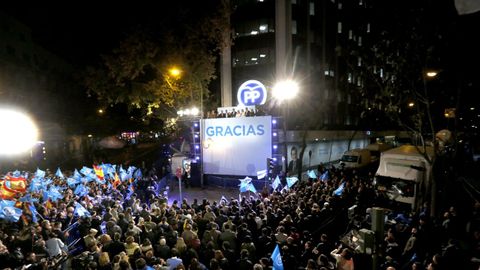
252	92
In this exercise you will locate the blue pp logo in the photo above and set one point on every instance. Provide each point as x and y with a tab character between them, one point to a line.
252	92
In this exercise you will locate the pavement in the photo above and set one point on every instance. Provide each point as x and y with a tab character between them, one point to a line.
211	193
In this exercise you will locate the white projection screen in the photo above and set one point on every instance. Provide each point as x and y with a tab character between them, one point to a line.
236	146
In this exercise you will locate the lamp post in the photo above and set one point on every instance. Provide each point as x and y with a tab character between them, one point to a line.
284	91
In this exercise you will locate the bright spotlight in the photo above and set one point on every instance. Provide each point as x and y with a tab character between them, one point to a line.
194	111
285	90
19	132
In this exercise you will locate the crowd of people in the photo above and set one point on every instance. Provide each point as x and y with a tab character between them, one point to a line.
239	112
141	230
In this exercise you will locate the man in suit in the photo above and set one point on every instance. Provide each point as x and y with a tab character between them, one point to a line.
294	164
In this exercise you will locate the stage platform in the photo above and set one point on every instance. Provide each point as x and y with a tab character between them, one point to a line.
211	193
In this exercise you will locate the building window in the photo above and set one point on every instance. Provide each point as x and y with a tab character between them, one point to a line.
312	9
339	6
252	28
350	77
339	27
360	2
294	27
326	72
359	61
252	57
360	41
350	34
327	92
368	27
349	99
331	73
294	2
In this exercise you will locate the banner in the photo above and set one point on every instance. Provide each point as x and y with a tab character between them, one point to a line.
236	146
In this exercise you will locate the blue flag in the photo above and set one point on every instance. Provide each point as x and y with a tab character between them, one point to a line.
138	174
130	171
39	173
123	174
71	182
277	259
16	173
276	183
312	174
28	198
251	187
81	190
54	194
324	176
80	210
244	184
8	211
76	175
261	174
291	181
36	185
339	190
86	171
59	173
34	212
109	170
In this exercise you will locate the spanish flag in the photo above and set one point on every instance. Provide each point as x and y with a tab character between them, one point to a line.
116	181
18	184
99	172
49	204
5	192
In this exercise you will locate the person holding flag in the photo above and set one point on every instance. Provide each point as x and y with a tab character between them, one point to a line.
277	259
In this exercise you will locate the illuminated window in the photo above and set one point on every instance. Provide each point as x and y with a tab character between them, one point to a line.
359	41
339	27
254	32
339	6
263	28
312	9
368	27
294	27
350	34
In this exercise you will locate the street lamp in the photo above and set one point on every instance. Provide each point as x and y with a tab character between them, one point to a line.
285	91
175	72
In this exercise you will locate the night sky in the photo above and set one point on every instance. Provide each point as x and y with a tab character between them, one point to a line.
80	32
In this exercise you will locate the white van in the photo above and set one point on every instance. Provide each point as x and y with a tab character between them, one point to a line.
355	159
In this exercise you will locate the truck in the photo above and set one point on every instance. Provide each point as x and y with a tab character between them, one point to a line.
376	150
356	159
404	175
